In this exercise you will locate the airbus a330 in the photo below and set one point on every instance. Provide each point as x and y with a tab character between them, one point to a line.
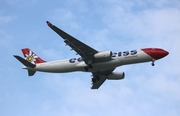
100	63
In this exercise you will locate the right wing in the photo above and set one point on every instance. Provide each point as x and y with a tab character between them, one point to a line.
99	78
99	82
86	52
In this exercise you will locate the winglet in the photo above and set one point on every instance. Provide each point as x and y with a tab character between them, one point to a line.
49	24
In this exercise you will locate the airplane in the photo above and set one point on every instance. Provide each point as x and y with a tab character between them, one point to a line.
100	63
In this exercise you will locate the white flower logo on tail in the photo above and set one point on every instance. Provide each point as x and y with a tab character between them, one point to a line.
31	57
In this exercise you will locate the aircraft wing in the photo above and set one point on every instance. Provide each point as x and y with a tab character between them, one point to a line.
99	82
82	49
100	78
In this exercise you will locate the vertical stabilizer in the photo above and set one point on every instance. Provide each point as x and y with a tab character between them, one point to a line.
31	56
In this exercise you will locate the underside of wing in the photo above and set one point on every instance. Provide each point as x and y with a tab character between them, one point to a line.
98	82
82	49
99	78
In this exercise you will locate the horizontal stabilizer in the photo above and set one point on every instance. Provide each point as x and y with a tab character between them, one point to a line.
25	62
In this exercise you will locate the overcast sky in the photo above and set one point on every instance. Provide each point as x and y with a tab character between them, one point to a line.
115	25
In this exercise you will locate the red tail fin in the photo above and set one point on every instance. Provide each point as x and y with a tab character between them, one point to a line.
31	56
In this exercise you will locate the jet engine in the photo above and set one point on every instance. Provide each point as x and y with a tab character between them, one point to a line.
116	76
103	55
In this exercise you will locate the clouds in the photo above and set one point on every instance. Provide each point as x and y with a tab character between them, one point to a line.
4	19
63	16
153	24
146	23
20	3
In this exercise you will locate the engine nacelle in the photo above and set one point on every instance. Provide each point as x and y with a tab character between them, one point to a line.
103	55
116	76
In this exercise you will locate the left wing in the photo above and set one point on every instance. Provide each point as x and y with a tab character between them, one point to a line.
86	52
99	78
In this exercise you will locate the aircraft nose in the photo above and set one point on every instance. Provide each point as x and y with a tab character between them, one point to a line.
156	53
161	53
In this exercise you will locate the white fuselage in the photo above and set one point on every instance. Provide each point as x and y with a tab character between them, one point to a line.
70	65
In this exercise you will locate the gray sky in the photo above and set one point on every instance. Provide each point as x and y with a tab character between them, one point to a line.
115	25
